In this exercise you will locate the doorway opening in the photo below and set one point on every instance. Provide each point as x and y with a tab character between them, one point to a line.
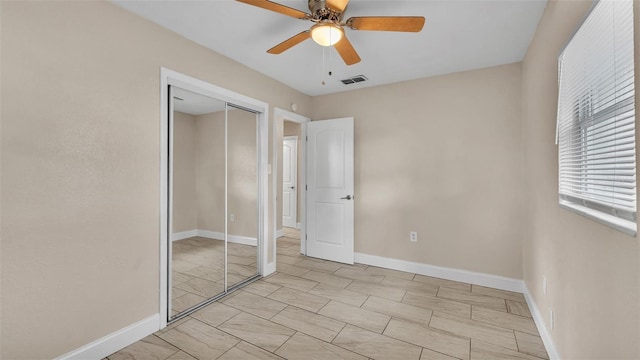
291	189
326	171
289	160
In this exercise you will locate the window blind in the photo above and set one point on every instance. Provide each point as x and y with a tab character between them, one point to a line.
596	117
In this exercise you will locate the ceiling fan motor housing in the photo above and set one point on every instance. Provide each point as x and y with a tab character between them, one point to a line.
320	11
329	29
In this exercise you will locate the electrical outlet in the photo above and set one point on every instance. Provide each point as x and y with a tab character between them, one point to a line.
232	217
544	285
413	236
552	320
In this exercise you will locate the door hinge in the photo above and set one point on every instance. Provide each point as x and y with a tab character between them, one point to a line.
307	138
306	187
306	237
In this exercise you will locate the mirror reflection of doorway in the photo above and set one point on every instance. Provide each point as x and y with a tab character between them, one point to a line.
213	200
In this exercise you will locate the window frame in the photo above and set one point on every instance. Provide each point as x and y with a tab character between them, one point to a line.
584	125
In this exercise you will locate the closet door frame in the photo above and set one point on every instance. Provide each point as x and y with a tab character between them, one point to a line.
170	77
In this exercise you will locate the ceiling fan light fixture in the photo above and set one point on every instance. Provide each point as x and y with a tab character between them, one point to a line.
326	34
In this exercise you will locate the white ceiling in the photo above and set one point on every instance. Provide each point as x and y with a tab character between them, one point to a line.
458	35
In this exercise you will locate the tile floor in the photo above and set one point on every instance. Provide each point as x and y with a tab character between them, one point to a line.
316	309
198	269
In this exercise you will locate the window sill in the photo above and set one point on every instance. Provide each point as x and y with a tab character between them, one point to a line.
625	226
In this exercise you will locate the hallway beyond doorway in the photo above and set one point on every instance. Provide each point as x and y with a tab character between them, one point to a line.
291	233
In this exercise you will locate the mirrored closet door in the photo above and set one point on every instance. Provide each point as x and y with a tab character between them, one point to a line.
213	200
242	195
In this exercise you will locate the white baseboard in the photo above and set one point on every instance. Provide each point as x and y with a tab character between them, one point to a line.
280	233
470	277
184	235
538	318
244	240
107	345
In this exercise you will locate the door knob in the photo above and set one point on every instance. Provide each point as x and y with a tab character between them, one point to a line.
293	187
348	197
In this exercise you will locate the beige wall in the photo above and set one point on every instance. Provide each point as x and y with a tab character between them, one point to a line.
592	270
185	213
440	156
80	166
242	176
294	129
210	171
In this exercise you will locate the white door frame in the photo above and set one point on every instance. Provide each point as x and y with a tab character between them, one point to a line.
170	77
294	160
280	115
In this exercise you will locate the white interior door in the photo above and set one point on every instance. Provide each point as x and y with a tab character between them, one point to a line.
330	190
289	181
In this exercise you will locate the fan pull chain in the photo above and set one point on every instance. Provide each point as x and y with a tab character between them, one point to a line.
330	52
324	67
324	51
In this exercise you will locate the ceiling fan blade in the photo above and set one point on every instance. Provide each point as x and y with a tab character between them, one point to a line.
387	23
346	51
337	5
269	5
290	42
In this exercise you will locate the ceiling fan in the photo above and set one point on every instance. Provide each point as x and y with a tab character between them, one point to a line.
329	27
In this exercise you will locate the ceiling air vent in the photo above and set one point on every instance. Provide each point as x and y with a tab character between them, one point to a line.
355	79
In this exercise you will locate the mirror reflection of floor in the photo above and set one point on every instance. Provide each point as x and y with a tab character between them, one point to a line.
198	269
